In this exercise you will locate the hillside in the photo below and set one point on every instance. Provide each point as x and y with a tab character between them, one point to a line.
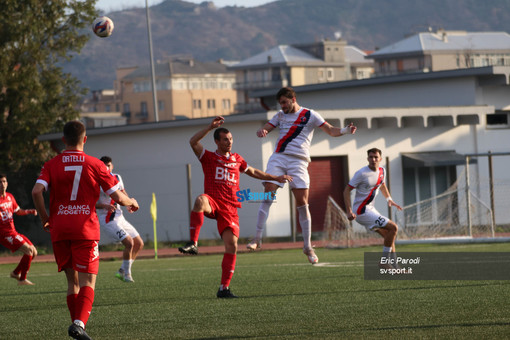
235	33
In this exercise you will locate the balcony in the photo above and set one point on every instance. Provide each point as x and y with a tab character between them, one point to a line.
248	108
264	84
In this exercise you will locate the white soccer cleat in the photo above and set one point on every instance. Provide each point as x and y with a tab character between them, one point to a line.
128	278
310	253
254	244
25	282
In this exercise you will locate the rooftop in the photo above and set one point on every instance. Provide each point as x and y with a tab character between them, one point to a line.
447	41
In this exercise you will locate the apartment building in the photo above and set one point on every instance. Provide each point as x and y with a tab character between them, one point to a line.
442	50
186	88
295	65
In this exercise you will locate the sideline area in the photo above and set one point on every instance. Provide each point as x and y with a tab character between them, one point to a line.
168	252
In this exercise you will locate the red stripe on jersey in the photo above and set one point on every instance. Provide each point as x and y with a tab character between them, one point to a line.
291	134
370	197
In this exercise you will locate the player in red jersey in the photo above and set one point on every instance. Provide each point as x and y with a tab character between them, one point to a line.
74	179
10	238
221	182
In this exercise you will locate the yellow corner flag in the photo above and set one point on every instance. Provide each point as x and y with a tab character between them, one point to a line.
154	213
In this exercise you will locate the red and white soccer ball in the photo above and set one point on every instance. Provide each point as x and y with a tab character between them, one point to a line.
102	27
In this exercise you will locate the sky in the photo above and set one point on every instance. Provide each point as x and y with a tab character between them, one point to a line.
116	5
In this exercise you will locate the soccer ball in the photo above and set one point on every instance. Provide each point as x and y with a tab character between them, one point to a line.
102	27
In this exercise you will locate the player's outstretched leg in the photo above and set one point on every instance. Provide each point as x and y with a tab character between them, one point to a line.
305	220
310	253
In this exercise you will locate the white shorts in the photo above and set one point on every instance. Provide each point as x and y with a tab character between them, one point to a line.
281	164
119	229
372	219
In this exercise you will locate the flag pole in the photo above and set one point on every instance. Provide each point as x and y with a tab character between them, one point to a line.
154	214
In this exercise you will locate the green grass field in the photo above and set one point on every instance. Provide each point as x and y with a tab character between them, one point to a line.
281	297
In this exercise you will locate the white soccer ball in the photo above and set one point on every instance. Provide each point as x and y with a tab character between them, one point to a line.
102	27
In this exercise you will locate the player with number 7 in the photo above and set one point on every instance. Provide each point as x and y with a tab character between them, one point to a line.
73	179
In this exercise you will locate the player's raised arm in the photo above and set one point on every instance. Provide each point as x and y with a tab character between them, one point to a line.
197	137
263	131
336	131
259	174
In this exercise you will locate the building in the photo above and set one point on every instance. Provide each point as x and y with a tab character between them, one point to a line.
425	123
101	109
442	50
186	88
295	65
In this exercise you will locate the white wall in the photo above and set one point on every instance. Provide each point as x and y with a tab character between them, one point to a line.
154	160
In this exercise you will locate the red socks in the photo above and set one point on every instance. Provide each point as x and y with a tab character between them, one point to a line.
227	268
196	221
23	267
83	304
71	305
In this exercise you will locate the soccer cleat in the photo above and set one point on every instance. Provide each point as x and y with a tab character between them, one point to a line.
189	248
128	278
15	276
310	253
78	333
120	274
25	282
225	294
254	244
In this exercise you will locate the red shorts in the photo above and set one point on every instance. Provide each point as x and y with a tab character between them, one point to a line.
13	241
225	215
81	255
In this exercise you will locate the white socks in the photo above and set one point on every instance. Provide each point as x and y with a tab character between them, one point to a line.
305	220
126	265
262	218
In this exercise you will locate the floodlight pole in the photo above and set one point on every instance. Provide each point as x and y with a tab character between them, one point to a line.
153	73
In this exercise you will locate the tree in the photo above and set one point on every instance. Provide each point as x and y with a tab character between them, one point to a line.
36	96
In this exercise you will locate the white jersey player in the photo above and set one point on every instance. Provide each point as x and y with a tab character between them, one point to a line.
291	157
368	181
111	219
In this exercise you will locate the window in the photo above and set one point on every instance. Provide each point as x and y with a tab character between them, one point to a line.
331	74
211	103
142	86
143	109
163	84
197	104
126	110
498	120
400	65
226	104
161	105
321	74
107	108
423	183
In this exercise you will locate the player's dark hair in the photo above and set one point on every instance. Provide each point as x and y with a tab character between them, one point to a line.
105	159
2	175
287	92
73	132
218	131
374	150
